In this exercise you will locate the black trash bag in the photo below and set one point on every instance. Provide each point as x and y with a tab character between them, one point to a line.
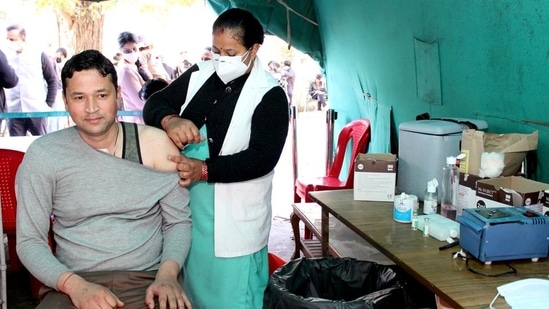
336	283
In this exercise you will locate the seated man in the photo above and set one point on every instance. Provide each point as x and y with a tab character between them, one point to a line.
317	91
120	220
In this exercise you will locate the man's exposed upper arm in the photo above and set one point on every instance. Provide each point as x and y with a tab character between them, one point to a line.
156	146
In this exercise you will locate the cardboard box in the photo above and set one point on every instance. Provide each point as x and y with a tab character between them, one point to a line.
511	191
375	177
545	208
467	192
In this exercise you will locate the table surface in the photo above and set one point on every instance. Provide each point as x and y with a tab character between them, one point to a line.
420	256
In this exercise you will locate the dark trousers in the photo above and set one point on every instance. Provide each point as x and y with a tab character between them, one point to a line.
321	101
129	286
20	126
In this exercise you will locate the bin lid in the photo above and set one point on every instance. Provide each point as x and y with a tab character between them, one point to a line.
441	127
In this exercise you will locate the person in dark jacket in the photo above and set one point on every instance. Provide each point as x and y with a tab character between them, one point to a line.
8	79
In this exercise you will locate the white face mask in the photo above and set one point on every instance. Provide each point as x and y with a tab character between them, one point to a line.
14	46
131	57
228	68
525	294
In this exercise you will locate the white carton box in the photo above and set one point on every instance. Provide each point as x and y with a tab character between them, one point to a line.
375	177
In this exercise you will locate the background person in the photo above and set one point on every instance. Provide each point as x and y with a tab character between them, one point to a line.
34	69
57	123
151	60
151	86
317	91
206	54
233	117
183	64
130	79
121	227
8	79
288	75
274	69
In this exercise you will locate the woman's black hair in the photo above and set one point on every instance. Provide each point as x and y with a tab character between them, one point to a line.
244	27
126	37
151	86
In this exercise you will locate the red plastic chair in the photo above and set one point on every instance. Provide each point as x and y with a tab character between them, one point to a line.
359	132
9	163
275	262
356	131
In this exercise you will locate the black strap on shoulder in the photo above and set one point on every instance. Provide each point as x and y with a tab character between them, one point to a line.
130	148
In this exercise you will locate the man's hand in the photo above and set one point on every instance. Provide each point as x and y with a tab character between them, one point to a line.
183	132
167	288
87	295
189	169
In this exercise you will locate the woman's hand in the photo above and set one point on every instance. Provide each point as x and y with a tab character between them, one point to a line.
182	132
190	170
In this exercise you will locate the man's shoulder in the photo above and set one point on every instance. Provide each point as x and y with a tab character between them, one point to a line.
147	130
155	147
151	136
60	140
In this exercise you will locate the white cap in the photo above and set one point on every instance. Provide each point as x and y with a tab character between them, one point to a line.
432	185
451	160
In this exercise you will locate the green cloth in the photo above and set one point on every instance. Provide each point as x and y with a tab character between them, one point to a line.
212	282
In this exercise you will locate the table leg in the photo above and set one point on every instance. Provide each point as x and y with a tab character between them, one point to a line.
325	231
294	220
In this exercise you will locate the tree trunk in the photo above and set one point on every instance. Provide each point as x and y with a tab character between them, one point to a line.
82	28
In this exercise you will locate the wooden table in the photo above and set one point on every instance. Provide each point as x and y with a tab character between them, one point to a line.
419	256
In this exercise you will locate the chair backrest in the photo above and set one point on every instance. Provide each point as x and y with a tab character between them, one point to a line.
359	132
9	163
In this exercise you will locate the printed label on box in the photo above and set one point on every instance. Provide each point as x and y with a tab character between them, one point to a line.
467	191
375	177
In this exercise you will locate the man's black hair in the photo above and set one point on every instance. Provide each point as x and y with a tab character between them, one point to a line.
89	60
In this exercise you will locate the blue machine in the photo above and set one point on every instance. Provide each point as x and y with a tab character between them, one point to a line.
504	233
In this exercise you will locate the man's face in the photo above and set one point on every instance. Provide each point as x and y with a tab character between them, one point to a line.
206	55
59	57
92	102
16	41
130	52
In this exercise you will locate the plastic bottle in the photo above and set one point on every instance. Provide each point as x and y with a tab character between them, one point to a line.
450	182
430	200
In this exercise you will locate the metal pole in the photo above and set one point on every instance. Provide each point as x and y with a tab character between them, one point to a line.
331	116
3	265
293	122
